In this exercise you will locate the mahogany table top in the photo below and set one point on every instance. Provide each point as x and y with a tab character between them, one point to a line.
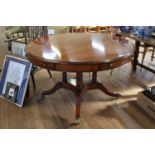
77	49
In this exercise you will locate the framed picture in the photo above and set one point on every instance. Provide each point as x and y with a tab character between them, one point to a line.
18	48
14	79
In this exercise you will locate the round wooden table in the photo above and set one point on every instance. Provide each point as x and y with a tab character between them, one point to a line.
79	52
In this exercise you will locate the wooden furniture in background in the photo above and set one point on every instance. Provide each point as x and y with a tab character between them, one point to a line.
88	28
24	34
98	28
78	29
147	43
82	52
147	48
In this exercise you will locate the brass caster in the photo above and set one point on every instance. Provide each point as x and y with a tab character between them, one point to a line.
40	97
77	121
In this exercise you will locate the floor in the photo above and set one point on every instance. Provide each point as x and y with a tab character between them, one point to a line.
98	111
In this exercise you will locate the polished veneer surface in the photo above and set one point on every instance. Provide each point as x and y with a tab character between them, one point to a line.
79	52
79	48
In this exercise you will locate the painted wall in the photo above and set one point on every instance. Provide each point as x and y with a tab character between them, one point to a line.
3	45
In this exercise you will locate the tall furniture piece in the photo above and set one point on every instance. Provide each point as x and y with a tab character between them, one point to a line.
79	53
24	35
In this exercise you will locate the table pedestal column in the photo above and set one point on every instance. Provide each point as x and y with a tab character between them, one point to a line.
79	87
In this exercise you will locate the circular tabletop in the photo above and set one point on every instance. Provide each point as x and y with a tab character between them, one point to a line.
79	52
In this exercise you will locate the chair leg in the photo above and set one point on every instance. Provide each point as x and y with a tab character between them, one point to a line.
49	73
111	72
33	81
9	46
143	56
144	53
152	56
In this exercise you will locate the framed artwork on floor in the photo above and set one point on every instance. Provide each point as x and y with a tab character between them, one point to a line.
14	79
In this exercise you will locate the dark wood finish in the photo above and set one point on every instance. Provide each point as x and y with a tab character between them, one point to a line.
79	53
49	73
144	53
79	89
146	67
135	61
152	56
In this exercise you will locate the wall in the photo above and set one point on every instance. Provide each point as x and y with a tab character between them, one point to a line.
3	45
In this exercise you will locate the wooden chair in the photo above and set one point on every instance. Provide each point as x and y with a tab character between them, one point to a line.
80	29
97	28
24	35
147	49
88	28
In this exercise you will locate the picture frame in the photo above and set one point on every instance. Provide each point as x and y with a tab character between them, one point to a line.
18	48
15	72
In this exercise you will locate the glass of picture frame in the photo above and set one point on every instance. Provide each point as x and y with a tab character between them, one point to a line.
14	79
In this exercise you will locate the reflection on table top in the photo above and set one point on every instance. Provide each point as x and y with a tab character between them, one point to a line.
79	48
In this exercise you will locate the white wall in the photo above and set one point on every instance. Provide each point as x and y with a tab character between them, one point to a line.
3	45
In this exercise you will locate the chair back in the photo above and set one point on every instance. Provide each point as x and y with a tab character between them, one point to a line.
34	32
18	37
